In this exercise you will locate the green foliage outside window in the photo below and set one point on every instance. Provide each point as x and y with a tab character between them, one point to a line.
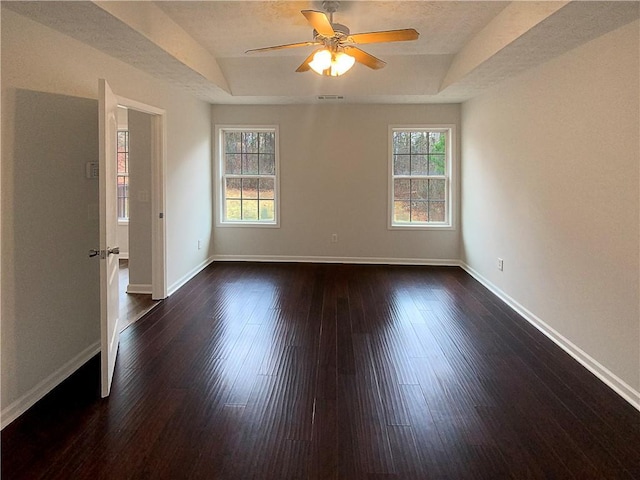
249	176
419	177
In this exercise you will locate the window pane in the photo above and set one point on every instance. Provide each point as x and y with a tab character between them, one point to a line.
437	189
436	164
266	188
267	164
420	156
401	211
248	171
419	165
402	189
267	142
249	188
233	164
250	209
123	141
401	164
419	211
233	188
250	164
419	142
436	211
437	142
400	142
122	163
234	210
267	210
123	196
232	142
419	189
250	142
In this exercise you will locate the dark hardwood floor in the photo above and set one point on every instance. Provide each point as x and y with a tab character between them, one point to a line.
133	306
282	371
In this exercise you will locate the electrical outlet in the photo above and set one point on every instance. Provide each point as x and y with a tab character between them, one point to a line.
334	238
199	244
500	264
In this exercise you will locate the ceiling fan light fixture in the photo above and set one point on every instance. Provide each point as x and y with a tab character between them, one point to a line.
341	63
332	64
321	61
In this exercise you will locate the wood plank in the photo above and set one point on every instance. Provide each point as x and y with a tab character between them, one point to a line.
333	372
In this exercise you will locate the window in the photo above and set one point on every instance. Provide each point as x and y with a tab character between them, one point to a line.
248	166
420	180
123	175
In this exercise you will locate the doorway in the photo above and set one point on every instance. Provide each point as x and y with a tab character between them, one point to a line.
135	218
142	266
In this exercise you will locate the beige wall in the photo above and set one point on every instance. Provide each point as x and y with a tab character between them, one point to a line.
50	296
39	59
550	184
334	179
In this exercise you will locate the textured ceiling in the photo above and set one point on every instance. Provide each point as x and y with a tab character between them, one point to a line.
464	46
228	29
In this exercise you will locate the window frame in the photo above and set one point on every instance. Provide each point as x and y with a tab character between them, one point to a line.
449	176
221	176
124	220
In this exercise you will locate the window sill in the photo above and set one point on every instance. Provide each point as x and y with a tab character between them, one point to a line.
248	224
123	223
421	227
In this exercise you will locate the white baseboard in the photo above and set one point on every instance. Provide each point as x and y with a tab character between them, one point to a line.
189	275
22	404
609	378
350	260
140	288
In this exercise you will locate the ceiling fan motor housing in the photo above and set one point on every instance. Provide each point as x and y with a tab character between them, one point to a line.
341	33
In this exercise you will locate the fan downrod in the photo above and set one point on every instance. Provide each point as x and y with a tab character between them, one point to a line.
330	8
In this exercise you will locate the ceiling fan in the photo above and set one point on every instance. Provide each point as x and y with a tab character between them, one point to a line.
338	50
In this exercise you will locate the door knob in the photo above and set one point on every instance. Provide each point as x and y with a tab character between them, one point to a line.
104	254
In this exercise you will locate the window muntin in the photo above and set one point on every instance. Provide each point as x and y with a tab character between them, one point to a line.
248	166
123	174
420	184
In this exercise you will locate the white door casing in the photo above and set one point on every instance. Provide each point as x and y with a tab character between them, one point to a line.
158	168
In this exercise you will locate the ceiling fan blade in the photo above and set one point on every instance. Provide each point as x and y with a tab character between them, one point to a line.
365	58
385	36
320	22
280	47
304	66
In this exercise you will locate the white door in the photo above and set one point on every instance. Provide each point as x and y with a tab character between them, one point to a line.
109	301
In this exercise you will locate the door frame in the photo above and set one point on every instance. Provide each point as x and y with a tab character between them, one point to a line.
158	193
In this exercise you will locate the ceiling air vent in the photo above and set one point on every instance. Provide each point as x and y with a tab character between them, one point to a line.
330	97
